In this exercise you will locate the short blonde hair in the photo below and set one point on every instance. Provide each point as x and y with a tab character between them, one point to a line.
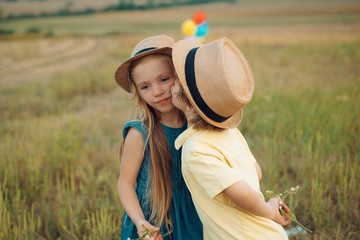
197	122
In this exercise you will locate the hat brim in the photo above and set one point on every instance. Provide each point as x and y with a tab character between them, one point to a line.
122	73
179	53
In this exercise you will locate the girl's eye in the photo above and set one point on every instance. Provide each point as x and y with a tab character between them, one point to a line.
164	79
144	87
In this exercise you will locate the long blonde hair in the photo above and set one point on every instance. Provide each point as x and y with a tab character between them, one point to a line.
160	186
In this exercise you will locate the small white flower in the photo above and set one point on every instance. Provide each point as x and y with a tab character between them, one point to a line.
128	239
147	237
141	223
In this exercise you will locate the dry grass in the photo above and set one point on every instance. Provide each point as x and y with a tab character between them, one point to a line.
62	116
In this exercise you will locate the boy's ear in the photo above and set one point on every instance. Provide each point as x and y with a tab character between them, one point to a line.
190	108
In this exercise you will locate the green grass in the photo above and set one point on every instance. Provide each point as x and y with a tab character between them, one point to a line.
303	125
60	133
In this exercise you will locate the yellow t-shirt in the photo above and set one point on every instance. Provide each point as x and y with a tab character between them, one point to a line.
211	162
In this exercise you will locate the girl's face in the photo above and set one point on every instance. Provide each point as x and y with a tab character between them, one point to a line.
154	77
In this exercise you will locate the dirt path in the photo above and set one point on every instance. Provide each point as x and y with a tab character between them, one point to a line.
38	59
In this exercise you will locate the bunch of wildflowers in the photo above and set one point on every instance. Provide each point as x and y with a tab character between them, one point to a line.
146	233
282	196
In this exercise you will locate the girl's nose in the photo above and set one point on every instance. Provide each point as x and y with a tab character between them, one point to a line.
159	90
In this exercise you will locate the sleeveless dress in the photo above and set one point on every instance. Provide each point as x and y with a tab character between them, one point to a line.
186	222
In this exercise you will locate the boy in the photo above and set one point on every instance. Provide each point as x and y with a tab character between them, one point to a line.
215	83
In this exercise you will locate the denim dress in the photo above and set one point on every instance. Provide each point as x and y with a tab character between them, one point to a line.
186	222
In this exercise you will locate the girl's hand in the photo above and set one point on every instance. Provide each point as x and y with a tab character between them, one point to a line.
275	204
144	226
157	236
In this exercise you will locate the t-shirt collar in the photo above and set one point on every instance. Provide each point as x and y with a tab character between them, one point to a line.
181	139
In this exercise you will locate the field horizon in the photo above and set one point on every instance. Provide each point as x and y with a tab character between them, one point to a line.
37	8
62	113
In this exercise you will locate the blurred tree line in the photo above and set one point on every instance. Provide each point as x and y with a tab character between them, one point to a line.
122	5
149	4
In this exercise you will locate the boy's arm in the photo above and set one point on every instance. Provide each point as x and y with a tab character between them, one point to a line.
249	200
258	171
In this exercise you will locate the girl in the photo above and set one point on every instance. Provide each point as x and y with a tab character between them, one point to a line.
151	187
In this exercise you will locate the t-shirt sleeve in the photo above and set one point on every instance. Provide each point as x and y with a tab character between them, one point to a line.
246	145
209	168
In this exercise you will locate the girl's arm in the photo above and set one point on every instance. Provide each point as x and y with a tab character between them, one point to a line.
249	200
131	161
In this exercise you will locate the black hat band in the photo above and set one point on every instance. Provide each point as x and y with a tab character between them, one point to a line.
191	83
144	50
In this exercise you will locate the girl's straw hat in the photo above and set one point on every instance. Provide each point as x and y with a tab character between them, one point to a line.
216	78
156	44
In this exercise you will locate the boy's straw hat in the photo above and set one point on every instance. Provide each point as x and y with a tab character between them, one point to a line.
216	78
156	44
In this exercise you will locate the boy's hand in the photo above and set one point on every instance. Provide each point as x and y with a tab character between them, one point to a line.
275	204
286	209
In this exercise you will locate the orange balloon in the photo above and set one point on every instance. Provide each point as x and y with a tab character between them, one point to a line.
199	17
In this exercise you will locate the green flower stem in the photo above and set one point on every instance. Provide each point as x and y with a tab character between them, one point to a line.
282	196
295	220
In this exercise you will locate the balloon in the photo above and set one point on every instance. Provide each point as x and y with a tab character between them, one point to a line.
196	29
192	38
200	39
202	30
188	27
199	17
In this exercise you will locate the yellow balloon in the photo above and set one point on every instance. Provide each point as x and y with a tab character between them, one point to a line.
200	39
188	27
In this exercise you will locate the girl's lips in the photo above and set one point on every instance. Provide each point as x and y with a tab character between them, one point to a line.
163	101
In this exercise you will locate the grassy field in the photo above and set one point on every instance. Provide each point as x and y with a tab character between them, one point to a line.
61	113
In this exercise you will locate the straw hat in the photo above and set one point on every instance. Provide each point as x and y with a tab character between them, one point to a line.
156	44
216	78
